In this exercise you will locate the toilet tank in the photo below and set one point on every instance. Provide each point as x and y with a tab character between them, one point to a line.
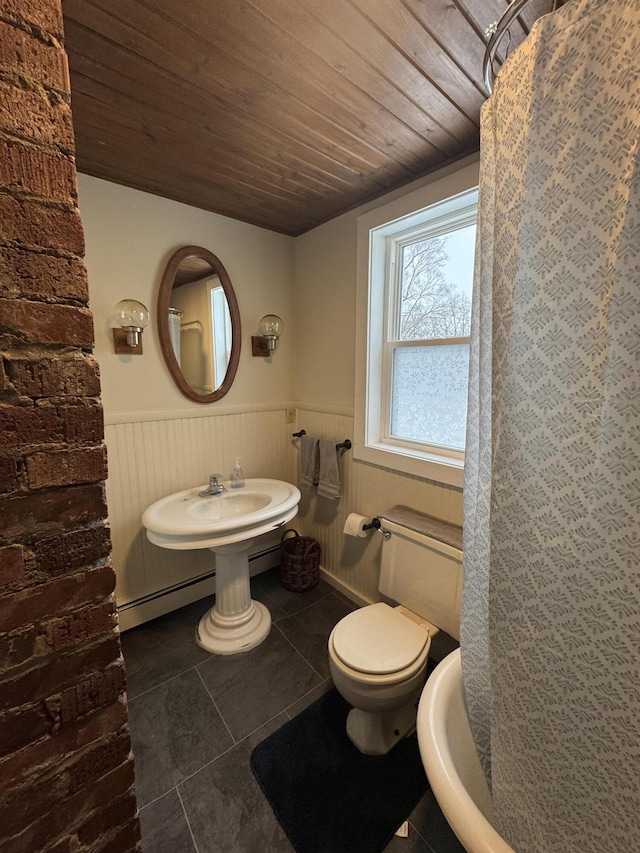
423	574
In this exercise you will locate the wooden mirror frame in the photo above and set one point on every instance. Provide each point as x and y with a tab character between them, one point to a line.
164	303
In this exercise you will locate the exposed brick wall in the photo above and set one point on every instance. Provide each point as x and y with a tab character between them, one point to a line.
66	770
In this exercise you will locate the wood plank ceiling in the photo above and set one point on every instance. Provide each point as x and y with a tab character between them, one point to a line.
282	113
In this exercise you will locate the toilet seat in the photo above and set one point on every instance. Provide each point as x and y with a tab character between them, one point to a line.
377	645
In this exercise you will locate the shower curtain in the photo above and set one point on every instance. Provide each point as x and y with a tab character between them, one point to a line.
551	603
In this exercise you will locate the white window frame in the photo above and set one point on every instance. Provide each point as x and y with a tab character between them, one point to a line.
445	201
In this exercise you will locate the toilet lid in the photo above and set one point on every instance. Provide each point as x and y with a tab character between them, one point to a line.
376	639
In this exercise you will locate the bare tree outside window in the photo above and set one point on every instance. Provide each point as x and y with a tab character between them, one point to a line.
431	305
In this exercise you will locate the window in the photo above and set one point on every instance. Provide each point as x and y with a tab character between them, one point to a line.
221	331
427	328
205	333
412	404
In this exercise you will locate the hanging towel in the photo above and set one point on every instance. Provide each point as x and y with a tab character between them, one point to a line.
308	463
329	475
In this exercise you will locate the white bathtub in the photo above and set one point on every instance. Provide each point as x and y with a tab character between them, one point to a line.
451	762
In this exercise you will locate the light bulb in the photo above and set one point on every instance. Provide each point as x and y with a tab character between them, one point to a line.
133	316
271	327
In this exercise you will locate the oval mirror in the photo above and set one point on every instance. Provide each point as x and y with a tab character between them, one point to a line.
199	324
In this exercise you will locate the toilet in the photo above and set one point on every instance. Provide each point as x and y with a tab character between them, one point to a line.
378	654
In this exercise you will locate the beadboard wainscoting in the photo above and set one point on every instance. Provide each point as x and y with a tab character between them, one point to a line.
155	454
353	565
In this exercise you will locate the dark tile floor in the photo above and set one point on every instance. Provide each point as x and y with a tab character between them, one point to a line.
196	717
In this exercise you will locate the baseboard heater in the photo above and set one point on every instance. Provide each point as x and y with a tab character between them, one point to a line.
168	590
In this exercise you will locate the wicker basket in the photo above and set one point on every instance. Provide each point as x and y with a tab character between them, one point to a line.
299	562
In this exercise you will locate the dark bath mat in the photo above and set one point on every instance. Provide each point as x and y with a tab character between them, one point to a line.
328	797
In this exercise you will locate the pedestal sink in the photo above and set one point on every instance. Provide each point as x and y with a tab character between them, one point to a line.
226	523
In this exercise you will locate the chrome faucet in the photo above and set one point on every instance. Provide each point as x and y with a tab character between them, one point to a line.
214	487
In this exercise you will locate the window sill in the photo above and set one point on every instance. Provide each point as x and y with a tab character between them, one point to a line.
428	466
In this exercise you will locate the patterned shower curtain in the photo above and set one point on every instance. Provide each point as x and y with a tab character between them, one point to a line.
551	603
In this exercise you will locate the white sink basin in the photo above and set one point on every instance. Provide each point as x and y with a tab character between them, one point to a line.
227	505
186	520
226	523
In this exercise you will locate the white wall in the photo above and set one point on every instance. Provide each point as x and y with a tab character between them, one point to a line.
325	292
158	440
324	307
130	236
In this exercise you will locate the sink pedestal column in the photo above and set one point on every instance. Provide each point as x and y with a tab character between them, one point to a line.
235	623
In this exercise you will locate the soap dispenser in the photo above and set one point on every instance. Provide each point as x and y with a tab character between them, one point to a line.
237	477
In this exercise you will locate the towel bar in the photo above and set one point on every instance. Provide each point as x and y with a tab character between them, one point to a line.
344	445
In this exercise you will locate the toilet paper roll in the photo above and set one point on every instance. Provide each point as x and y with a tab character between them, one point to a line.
354	524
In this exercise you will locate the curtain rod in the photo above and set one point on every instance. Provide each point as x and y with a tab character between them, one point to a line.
494	33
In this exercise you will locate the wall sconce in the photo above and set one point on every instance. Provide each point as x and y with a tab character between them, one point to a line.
133	316
270	329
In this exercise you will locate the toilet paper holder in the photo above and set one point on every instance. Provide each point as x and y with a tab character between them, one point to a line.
360	525
376	524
